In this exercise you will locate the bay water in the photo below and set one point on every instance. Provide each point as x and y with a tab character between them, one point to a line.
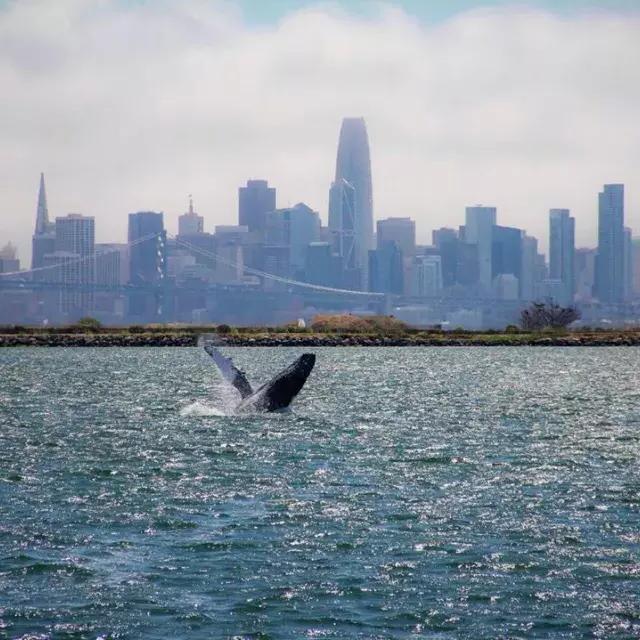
410	493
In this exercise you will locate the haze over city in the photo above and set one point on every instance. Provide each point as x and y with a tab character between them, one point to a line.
131	106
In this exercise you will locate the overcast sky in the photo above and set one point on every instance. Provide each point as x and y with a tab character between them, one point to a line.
134	105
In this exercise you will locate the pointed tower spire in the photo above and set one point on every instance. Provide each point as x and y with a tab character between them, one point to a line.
42	216
190	204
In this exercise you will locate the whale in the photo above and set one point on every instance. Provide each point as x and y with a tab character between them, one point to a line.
275	395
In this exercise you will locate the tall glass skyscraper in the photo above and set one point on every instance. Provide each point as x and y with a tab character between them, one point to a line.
562	251
353	165
479	223
610	261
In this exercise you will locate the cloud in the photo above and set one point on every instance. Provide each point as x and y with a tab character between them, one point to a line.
134	106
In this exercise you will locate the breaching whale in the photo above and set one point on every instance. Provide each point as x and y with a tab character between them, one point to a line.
274	395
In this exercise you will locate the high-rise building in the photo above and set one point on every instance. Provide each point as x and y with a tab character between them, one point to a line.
478	230
635	266
448	244
111	272
427	276
190	223
254	202
402	231
295	227
610	261
74	263
322	265
353	164
9	259
386	270
585	260
562	252
43	241
506	253
628	264
342	220
147	263
529	276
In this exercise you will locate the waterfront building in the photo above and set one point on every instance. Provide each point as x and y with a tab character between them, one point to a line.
610	260
562	252
353	165
255	201
190	223
402	231
478	230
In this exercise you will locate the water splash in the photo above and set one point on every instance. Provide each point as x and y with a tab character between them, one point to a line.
200	409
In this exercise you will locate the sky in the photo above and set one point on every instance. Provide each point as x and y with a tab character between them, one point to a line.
133	105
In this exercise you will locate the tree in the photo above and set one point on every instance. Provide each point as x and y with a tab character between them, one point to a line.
543	315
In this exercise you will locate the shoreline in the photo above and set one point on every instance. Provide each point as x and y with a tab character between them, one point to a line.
187	338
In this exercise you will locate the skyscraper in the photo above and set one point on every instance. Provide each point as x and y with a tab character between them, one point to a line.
44	235
478	230
254	202
147	261
74	261
610	269
353	164
294	228
190	223
386	270
402	231
562	252
506	254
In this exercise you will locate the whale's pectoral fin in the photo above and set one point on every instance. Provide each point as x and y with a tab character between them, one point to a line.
230	372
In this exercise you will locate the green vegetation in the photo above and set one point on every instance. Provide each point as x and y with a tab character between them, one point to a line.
324	330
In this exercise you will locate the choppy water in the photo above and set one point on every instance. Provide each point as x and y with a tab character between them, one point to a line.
412	493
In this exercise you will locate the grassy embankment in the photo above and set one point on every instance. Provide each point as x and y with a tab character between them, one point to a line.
324	331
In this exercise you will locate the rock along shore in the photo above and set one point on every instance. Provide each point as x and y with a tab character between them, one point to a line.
177	339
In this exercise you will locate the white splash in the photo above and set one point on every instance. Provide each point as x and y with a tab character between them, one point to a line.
201	409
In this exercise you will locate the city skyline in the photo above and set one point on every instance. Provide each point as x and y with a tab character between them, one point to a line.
458	113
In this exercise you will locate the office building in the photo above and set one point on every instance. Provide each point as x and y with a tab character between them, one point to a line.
386	269
147	264
610	261
562	252
478	230
9	259
353	165
190	223
427	276
255	201
402	231
295	228
506	253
